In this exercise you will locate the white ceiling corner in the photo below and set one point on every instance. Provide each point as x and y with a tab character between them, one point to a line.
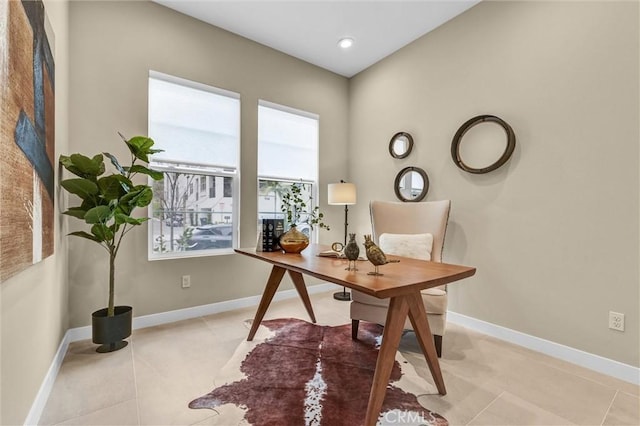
310	30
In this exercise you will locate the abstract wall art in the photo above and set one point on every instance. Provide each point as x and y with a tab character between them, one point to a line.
27	88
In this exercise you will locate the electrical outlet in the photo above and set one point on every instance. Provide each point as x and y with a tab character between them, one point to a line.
616	321
186	281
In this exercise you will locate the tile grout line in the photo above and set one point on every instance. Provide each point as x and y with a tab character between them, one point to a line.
609	407
592	380
485	408
547	363
135	380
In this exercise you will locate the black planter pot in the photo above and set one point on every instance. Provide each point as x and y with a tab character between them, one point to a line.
109	332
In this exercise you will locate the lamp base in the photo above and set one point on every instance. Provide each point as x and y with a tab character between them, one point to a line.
343	296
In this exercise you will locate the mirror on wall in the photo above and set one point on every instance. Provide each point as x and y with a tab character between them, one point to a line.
411	184
485	146
400	145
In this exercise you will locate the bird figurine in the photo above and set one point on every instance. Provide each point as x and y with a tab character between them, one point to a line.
375	255
352	251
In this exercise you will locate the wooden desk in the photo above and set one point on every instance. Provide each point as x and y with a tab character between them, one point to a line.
401	283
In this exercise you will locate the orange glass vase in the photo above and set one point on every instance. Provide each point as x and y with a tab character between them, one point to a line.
293	241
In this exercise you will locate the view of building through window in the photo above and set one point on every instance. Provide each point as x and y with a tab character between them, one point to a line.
192	220
270	200
292	134
194	210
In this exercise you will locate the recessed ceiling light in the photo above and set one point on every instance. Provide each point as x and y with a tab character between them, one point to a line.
345	43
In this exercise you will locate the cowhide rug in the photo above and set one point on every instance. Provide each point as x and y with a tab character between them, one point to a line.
297	373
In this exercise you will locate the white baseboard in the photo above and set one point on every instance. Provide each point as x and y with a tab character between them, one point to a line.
83	333
597	363
144	321
33	418
593	362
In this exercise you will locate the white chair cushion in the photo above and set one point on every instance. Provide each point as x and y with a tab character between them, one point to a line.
434	300
417	246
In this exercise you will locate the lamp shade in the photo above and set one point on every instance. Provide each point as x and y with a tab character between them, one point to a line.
341	193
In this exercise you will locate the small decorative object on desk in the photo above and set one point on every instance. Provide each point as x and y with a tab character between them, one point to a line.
269	235
351	252
298	211
375	255
336	251
293	241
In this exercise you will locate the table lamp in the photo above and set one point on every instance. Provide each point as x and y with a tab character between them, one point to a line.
342	193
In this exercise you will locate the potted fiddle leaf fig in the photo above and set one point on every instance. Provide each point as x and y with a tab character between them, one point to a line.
107	203
298	210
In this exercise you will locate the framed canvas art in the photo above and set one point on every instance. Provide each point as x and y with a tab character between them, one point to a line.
27	89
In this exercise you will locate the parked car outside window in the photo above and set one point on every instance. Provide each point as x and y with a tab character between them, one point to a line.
211	237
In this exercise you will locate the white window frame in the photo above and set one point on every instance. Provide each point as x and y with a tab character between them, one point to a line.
288	179
204	169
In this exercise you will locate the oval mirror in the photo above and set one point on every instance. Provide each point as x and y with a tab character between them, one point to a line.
483	144
400	145
412	184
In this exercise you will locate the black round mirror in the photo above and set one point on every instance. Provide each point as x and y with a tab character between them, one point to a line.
411	184
400	145
483	144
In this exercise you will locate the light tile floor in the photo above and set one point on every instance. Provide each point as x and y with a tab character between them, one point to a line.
489	382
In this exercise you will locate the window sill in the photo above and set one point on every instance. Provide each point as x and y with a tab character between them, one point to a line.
191	254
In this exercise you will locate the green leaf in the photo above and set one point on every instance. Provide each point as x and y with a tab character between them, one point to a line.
83	166
76	212
85	235
142	143
102	232
140	147
140	196
98	214
124	208
114	228
123	218
145	197
89	167
83	188
92	202
115	162
68	164
120	218
144	170
111	187
125	182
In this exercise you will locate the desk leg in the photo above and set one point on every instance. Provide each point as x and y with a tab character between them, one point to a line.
298	281
418	318
270	289
396	315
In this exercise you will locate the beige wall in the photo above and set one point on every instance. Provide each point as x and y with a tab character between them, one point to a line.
554	233
34	303
114	45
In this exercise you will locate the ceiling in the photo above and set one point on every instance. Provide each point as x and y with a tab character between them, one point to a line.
310	30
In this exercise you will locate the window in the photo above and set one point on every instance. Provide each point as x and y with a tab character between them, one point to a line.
198	127
292	134
212	187
228	187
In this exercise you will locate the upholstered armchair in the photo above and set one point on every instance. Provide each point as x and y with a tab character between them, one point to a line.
414	230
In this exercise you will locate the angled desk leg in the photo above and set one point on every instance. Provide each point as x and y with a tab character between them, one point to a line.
418	318
277	273
298	281
396	315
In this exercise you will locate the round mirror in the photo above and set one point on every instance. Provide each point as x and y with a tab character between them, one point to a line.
412	184
483	144
400	145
